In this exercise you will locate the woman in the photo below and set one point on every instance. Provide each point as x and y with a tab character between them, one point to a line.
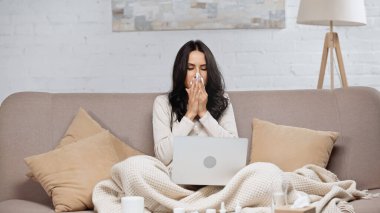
197	104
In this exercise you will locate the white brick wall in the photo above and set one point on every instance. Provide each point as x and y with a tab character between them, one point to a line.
68	46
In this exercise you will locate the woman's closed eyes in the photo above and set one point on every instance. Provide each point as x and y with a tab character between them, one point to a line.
192	66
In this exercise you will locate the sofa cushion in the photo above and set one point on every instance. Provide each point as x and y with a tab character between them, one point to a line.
17	206
289	147
367	205
68	174
20	206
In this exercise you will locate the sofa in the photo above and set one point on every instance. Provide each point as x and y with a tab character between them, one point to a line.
33	123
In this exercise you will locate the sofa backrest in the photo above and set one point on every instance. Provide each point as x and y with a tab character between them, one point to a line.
34	122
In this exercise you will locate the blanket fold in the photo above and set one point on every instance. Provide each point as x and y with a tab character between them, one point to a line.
252	187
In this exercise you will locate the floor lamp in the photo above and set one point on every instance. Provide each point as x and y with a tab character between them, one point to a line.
332	13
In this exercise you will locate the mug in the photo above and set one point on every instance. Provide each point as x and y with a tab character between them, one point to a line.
178	210
133	204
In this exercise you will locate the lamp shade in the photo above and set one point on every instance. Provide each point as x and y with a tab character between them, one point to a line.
341	12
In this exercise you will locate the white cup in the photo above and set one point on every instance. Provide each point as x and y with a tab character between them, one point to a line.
210	210
132	204
178	210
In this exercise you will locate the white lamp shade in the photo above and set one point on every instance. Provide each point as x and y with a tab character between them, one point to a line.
341	12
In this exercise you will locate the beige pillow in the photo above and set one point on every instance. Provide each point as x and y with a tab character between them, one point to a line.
289	147
60	180
68	174
83	126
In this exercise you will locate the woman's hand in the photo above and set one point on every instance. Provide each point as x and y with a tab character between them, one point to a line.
193	102
202	99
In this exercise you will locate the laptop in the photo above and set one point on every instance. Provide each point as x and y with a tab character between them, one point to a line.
207	160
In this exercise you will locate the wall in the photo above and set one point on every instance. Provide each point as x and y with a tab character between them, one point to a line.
68	46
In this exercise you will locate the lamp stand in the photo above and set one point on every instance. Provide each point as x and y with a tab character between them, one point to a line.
331	43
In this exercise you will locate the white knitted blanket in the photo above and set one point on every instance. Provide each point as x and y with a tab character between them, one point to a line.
251	187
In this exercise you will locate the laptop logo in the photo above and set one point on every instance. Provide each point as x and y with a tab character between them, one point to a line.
209	162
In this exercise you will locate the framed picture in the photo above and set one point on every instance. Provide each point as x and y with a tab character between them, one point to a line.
151	15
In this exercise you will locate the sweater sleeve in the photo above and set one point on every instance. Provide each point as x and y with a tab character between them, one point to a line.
163	135
226	126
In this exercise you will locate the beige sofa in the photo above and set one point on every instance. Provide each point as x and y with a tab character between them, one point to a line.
33	123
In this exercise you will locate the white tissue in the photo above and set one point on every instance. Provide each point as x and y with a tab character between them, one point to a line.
301	201
198	77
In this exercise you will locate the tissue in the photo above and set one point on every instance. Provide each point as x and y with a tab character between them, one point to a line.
198	77
302	200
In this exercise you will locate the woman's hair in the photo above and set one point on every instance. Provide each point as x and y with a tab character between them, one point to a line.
178	96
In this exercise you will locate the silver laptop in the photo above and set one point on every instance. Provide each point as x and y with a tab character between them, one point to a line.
207	160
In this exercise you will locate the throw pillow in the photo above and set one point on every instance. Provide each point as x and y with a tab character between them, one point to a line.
83	126
289	147
68	174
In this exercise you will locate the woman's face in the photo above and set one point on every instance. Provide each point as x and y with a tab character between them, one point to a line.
196	63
